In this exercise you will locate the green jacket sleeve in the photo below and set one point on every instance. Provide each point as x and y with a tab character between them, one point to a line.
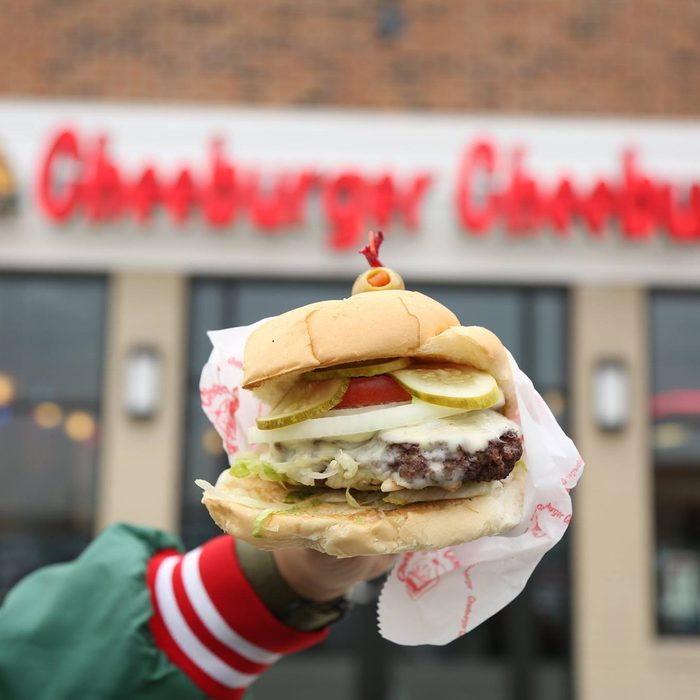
80	630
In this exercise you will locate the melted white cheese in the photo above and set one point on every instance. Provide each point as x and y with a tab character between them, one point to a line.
472	431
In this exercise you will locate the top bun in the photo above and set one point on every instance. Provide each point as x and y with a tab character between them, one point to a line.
367	326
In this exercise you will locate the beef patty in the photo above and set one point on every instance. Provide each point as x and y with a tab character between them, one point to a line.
442	466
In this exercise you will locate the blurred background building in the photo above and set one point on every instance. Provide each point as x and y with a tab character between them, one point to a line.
167	168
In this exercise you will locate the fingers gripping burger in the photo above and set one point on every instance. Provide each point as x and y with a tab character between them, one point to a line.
391	428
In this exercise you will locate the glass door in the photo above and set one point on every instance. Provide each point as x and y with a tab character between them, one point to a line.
523	652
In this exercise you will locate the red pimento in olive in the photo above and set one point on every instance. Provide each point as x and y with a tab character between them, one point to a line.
377	278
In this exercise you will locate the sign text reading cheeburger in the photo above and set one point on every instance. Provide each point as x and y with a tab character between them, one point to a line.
493	190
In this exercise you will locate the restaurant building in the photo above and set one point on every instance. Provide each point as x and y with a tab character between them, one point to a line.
127	231
141	207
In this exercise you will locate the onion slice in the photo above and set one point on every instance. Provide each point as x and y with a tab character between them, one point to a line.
367	421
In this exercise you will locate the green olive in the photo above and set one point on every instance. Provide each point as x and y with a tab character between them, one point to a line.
377	279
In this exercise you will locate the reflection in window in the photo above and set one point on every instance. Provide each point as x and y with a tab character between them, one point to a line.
521	652
51	347
675	407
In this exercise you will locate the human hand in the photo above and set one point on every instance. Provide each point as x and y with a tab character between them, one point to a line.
321	577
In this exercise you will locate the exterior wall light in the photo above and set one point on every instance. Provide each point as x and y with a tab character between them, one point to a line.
142	383
611	395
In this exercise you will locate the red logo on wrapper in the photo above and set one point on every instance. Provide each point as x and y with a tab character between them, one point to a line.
468	577
464	624
553	511
224	403
421	571
569	481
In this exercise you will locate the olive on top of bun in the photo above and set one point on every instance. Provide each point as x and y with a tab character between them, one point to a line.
390	428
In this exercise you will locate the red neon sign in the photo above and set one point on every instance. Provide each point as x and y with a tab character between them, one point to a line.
101	191
494	190
638	204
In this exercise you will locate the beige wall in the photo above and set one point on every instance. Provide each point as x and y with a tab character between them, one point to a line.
140	469
617	653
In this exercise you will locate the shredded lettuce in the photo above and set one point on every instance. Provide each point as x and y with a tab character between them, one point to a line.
250	464
351	499
364	499
345	462
205	486
263	515
296	496
259	521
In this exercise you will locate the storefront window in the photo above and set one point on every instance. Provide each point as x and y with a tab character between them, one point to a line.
675	342
51	348
521	653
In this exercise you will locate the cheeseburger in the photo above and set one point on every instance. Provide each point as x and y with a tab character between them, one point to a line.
389	428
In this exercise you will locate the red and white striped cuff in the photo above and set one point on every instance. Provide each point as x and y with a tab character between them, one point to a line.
210	622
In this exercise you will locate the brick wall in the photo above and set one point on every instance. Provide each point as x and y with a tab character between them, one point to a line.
561	56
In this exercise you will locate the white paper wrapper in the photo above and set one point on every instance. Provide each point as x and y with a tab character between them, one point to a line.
435	597
230	409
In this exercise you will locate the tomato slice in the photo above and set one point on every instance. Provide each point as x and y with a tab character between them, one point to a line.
373	391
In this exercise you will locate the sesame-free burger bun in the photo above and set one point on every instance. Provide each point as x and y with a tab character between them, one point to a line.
367	326
345	531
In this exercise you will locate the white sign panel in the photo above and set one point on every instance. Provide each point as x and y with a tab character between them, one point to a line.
293	193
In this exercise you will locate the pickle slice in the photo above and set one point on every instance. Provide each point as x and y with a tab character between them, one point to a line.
458	387
366	368
305	400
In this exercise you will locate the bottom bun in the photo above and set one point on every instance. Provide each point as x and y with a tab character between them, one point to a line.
346	531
